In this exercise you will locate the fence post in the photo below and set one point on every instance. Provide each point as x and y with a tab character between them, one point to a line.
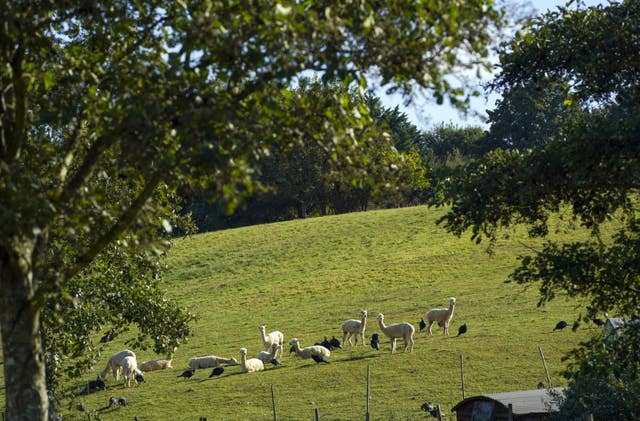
316	414
273	404
546	371
367	415
438	413
510	412
462	374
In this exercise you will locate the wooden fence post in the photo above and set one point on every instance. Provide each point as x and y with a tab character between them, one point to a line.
273	404
546	371
316	414
510	412
462	374
367	415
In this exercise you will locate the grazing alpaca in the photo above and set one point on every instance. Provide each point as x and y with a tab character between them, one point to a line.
317	351
249	365
402	330
115	363
275	337
131	372
353	327
442	316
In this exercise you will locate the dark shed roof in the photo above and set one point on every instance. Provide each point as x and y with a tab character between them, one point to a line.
524	401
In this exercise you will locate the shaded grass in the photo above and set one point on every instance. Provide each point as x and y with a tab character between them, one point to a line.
305	278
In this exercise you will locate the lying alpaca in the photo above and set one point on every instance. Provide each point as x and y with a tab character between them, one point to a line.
210	361
442	316
268	356
115	364
155	365
310	351
402	330
249	365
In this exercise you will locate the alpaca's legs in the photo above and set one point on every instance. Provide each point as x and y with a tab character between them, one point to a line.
408	343
446	328
362	337
346	338
430	324
393	345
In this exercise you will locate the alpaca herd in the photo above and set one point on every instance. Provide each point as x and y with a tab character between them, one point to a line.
125	362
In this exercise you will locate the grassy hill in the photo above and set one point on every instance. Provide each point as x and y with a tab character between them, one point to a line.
305	278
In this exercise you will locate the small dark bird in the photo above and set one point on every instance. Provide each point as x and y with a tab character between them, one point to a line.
422	324
122	401
95	385
108	337
80	407
319	359
598	322
187	373
217	371
112	401
540	385
432	410
292	350
375	342
275	362
139	378
335	342
427	407
325	343
560	325
462	329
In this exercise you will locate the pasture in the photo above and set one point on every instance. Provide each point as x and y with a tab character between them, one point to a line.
305	278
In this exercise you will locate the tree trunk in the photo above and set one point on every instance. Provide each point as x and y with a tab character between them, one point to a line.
24	374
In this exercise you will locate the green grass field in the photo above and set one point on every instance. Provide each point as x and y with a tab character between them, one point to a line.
305	278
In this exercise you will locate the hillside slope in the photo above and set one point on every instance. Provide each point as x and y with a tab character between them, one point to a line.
305	278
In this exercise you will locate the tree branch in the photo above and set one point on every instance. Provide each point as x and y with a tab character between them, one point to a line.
124	222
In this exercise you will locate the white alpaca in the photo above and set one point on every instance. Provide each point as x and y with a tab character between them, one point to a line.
354	328
152	365
442	316
115	364
275	337
402	330
249	365
210	361
268	356
130	367
310	351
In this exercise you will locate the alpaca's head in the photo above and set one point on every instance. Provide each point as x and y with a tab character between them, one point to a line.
452	301
363	313
294	341
233	361
262	328
380	317
243	352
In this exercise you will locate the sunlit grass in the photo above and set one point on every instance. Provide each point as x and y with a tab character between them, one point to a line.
305	278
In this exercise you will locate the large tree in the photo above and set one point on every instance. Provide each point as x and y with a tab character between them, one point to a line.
588	167
159	93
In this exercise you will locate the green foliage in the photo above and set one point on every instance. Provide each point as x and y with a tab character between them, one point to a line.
157	94
604	378
587	168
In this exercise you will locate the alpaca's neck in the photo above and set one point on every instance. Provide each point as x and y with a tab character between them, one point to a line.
363	322
243	360
382	326
264	335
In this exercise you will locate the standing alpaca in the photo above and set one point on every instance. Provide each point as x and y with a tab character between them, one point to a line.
402	330
275	337
131	371
355	327
115	363
442	316
249	365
